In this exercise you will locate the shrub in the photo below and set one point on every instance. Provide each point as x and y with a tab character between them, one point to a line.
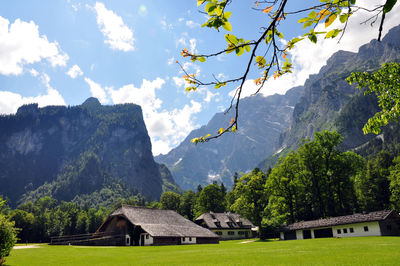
8	237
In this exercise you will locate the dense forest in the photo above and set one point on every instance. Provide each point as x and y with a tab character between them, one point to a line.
316	181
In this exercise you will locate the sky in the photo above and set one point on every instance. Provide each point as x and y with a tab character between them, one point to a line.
61	52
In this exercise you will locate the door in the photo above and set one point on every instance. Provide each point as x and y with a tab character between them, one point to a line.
306	234
142	240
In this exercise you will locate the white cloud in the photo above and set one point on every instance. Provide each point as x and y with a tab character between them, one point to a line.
171	61
74	71
181	41
117	34
308	58
179	82
192	24
166	128
21	44
33	72
249	88
192	45
97	91
10	101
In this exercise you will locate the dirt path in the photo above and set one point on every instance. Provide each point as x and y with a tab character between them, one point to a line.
248	241
26	246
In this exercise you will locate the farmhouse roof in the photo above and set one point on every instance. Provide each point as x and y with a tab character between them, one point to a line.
340	220
225	220
162	223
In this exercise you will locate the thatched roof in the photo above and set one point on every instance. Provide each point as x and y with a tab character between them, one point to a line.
162	223
340	220
225	220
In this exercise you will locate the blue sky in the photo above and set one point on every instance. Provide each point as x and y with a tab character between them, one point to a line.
60	52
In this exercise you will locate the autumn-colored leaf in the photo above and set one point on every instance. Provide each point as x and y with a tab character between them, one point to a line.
267	10
330	20
232	120
323	13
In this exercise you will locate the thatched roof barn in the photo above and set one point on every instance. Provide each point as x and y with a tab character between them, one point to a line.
227	225
144	226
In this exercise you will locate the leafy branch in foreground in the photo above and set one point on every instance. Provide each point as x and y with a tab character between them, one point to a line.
385	83
269	53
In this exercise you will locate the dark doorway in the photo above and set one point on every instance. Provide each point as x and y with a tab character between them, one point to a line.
306	234
290	235
142	240
326	232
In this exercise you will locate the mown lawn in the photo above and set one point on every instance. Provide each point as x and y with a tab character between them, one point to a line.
340	251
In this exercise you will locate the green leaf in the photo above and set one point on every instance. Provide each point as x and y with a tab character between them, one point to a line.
332	33
307	24
247	48
343	18
200	2
312	15
388	6
201	59
261	61
227	26
234	129
227	14
239	51
210	8
230	38
313	38
302	20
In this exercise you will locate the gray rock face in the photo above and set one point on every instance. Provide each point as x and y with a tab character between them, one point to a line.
37	145
261	121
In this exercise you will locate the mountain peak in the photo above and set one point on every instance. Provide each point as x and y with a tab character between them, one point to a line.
91	102
393	37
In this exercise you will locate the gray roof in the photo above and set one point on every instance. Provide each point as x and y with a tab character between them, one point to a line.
221	220
162	223
340	220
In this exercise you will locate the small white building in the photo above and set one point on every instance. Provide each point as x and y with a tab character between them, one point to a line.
227	225
379	223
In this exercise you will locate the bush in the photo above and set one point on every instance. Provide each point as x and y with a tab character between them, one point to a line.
8	237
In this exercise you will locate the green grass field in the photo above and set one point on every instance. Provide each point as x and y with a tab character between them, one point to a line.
340	251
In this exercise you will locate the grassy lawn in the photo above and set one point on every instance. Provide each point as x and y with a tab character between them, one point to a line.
341	251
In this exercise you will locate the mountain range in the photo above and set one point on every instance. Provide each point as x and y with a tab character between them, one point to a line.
271	126
94	153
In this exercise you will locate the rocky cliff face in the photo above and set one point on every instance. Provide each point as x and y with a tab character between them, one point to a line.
330	103
61	147
261	121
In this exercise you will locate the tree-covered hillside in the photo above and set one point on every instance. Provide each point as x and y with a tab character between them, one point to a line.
68	152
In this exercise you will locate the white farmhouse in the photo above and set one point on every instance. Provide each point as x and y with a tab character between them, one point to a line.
379	223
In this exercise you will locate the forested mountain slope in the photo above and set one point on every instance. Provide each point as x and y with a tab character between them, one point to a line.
66	152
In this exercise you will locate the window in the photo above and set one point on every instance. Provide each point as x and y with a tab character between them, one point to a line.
219	233
239	224
217	224
241	232
183	239
147	236
190	238
344	230
230	224
231	233
339	231
365	228
351	230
